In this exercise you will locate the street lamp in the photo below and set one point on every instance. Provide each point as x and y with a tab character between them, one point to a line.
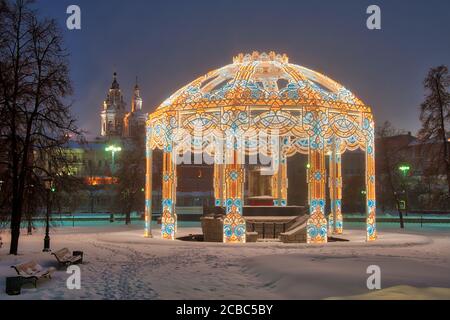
404	169
48	183
113	149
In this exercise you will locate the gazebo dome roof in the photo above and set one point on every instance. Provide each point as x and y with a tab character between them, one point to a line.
263	79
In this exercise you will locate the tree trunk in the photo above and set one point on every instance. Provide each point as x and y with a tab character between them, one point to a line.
17	191
394	194
128	216
448	179
15	234
30	227
16	208
16	218
92	204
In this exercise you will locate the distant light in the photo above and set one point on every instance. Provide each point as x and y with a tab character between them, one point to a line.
308	166
364	192
113	149
404	169
97	181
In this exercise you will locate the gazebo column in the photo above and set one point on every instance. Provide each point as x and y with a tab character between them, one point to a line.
317	223
169	217
275	187
234	224
148	185
219	184
371	234
280	180
335	220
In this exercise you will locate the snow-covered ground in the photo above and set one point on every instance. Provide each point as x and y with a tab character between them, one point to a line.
121	264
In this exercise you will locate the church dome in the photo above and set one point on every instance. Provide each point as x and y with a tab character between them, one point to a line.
263	79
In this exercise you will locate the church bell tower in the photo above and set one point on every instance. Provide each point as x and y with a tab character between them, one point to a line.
113	111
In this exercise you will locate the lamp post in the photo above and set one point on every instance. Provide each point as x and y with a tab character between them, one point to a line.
404	170
48	182
113	149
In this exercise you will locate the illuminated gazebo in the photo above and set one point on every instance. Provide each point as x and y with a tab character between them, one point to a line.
262	104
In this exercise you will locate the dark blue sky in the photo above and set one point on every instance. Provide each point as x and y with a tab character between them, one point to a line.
170	43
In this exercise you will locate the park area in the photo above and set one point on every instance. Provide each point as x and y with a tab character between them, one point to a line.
119	263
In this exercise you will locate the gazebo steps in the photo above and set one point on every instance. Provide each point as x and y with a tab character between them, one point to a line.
268	240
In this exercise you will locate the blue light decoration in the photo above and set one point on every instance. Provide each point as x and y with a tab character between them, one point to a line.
148	184
335	218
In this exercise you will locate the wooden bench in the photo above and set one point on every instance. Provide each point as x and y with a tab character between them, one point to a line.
33	271
64	257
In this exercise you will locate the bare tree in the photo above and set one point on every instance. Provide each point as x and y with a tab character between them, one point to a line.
435	116
34	86
91	188
387	167
131	174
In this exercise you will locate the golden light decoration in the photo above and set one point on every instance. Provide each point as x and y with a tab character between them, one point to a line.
308	112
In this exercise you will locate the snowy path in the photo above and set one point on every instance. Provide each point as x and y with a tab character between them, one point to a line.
121	264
